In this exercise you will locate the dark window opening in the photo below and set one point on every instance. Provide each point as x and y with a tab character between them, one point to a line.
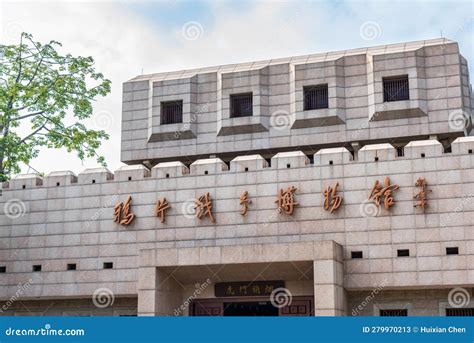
58	184
376	159
246	169
167	176
241	105
460	312
356	254
3	269
452	251
469	151
395	88
330	162
129	178
403	252
394	313
423	155
288	165
108	265
315	97
171	112
71	266
37	267
206	172
400	151
448	150
24	186
93	181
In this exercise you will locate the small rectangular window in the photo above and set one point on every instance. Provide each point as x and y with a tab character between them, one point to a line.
37	267
403	252
395	88
400	151
3	269
356	254
394	313
108	265
315	97
171	112
71	266
241	105
452	251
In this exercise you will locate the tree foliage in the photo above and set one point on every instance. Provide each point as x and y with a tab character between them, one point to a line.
41	89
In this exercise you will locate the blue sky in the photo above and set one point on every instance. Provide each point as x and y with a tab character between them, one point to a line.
128	37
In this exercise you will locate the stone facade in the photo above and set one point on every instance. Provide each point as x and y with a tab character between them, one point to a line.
438	85
63	219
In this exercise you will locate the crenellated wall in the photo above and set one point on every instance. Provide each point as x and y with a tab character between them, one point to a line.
64	218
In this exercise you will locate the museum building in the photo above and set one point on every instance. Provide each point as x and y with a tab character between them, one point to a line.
330	184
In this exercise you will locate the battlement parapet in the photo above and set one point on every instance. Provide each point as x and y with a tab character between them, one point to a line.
416	150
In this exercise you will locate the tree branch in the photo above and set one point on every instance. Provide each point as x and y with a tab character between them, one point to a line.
29	115
33	133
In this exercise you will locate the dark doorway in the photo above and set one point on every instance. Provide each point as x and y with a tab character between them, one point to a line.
254	308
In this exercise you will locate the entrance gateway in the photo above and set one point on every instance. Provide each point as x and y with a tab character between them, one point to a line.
292	279
252	298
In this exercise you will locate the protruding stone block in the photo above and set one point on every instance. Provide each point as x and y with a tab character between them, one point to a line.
134	172
463	145
292	159
95	175
169	169
420	149
248	163
208	166
24	181
377	152
332	156
60	178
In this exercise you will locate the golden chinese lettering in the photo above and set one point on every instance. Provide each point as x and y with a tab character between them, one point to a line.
160	209
332	201
230	291
286	200
244	202
204	207
386	193
256	289
422	195
122	214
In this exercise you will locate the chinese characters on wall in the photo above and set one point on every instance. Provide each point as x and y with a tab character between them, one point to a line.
380	194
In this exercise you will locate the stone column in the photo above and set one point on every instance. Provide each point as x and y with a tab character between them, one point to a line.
159	294
329	293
